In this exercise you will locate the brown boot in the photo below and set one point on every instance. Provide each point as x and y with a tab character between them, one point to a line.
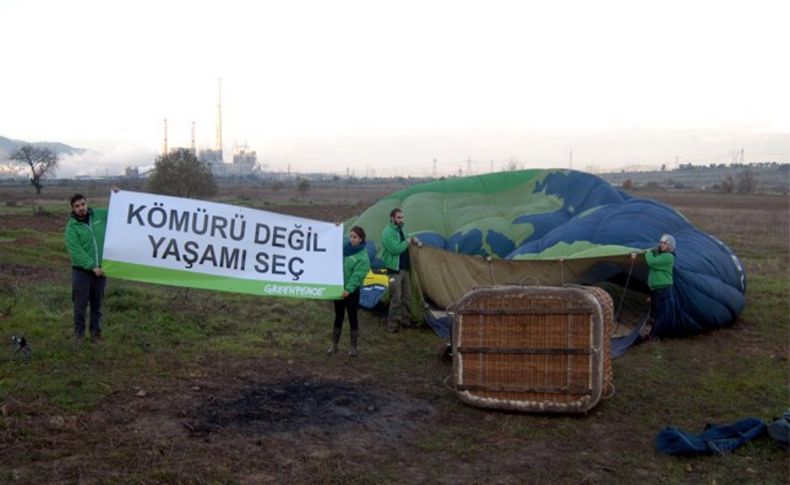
335	340
354	337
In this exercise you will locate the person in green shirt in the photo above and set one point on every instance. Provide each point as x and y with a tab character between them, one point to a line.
356	265
85	242
660	263
395	259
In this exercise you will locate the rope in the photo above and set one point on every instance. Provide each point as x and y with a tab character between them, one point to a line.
562	271
491	270
445	384
609	394
625	289
529	276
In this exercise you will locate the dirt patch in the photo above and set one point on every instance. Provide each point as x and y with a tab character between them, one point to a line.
297	426
293	406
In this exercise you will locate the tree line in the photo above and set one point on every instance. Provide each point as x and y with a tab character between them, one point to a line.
178	173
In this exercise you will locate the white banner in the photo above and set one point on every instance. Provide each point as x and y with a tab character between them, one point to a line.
194	243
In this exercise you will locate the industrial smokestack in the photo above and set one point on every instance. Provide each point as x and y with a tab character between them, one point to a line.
218	142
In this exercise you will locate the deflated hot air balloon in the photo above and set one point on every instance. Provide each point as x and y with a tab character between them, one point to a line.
553	227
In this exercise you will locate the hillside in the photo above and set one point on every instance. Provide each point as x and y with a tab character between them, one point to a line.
9	146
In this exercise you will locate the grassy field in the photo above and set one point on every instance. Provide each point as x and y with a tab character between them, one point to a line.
207	387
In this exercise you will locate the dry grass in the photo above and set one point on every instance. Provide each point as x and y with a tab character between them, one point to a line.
78	415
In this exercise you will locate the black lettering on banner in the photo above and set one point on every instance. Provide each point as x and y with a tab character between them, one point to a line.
267	232
202	230
172	250
209	255
262	265
278	239
218	225
278	264
297	245
179	222
296	272
135	213
155	244
190	253
241	223
295	238
315	245
160	212
229	259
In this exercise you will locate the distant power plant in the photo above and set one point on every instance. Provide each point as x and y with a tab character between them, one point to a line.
245	161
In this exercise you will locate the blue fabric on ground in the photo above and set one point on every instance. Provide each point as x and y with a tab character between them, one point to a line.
779	429
620	344
714	440
441	325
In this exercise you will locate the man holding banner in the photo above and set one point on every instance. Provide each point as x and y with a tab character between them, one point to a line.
85	242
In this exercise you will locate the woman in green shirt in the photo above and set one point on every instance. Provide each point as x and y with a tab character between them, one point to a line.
356	265
660	262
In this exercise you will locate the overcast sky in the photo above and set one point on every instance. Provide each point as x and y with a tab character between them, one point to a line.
391	86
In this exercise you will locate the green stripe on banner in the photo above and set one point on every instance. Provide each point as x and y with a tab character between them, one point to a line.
189	279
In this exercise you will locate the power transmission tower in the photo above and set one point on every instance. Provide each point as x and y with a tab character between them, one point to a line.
164	142
192	145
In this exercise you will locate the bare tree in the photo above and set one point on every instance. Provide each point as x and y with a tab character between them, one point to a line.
746	182
43	162
181	174
303	185
727	185
511	165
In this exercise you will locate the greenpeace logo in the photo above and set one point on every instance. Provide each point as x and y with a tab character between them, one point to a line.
288	290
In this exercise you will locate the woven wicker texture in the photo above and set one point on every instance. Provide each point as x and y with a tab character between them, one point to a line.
607	304
533	348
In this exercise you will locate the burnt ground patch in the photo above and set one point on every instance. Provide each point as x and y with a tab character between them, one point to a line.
304	405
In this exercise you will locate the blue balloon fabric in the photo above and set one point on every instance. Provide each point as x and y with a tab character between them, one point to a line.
714	440
709	280
779	429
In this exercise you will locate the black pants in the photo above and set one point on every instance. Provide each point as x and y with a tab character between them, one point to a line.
348	304
660	310
86	288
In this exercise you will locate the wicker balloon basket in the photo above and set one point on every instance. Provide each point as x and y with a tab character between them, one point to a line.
533	348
